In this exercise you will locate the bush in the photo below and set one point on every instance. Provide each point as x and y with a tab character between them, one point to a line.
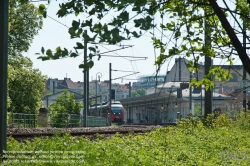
223	141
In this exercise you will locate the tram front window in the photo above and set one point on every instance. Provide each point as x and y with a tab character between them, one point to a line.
116	110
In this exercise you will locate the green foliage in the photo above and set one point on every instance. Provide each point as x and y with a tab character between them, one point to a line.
25	86
215	71
243	119
24	24
65	104
134	18
190	123
197	109
217	120
190	143
139	92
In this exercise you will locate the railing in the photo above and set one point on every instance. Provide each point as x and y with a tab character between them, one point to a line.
96	121
65	120
22	120
72	120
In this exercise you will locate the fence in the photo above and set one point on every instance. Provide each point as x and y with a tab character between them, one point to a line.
95	121
20	120
72	120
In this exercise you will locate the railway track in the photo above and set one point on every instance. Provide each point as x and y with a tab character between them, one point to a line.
32	135
91	132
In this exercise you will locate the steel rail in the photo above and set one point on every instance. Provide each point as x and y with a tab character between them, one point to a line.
135	128
23	135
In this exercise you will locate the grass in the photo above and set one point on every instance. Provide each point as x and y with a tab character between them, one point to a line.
220	141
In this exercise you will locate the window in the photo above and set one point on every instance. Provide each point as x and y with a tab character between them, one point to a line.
235	78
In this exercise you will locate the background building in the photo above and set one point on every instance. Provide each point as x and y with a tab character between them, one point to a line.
233	84
147	81
99	88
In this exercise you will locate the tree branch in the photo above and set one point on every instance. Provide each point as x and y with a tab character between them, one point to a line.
231	34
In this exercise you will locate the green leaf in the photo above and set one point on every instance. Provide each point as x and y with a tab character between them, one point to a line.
75	24
42	50
49	53
73	54
41	6
92	49
91	12
45	14
43	58
42	10
79	46
81	66
135	34
58	49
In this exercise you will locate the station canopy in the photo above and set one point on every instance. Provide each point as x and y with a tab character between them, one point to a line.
152	99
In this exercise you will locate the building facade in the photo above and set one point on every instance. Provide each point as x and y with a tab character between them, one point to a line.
99	88
233	84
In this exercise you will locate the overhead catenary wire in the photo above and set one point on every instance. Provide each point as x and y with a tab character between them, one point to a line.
132	62
127	46
58	21
125	76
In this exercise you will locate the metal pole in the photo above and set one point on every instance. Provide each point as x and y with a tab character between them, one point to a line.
129	117
201	100
88	91
85	85
110	82
244	70
208	64
132	111
180	69
96	94
190	92
101	106
171	111
248	104
53	87
3	72
96	90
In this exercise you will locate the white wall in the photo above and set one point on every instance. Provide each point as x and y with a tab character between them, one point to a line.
223	104
50	100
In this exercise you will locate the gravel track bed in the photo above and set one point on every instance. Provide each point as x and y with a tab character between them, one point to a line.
82	129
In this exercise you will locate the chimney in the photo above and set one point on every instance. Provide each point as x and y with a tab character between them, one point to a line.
220	90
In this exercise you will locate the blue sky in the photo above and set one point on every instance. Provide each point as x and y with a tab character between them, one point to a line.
55	34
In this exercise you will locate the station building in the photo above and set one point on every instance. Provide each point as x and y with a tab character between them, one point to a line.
168	102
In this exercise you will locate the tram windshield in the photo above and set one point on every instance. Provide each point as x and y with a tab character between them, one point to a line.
116	109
